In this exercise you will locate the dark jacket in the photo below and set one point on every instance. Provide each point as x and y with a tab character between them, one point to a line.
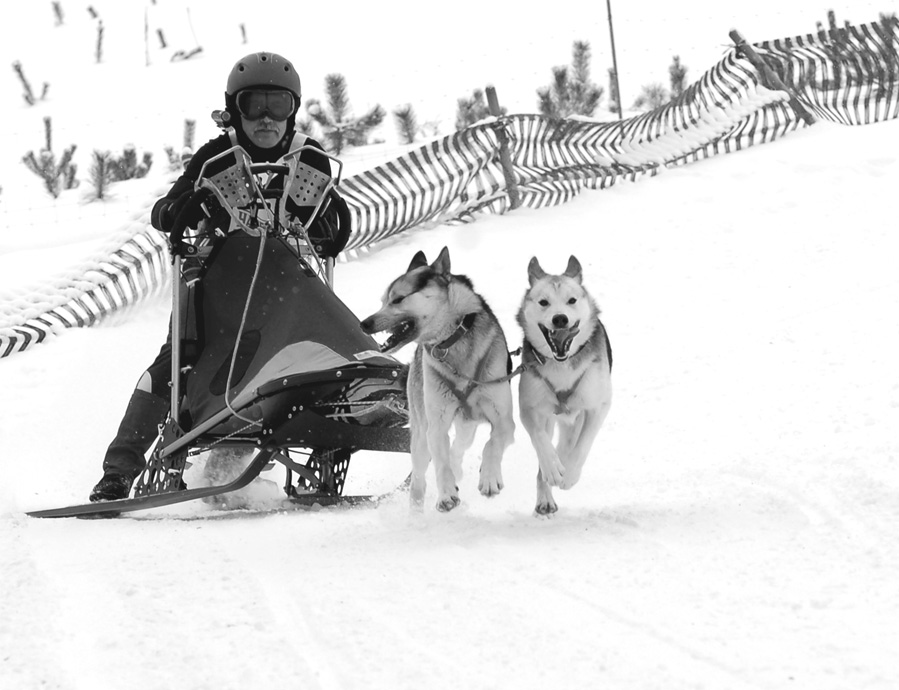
163	214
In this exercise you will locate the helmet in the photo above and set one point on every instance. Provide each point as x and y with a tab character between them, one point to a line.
263	69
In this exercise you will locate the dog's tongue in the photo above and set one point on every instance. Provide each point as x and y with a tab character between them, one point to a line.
559	340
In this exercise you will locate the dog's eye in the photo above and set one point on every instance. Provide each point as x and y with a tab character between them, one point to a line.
573	300
397	300
543	303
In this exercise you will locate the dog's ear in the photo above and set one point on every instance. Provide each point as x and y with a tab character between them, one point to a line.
442	264
574	269
535	273
418	261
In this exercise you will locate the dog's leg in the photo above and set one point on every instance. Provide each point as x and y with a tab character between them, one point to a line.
464	437
502	433
440	420
570	428
574	461
546	505
418	427
540	428
421	458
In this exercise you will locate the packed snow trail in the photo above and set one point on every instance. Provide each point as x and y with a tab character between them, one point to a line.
734	527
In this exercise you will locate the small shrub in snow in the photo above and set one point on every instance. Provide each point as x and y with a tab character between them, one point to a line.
190	129
28	94
652	96
101	173
404	116
177	160
470	111
98	51
127	167
677	75
339	127
106	168
57	176
571	91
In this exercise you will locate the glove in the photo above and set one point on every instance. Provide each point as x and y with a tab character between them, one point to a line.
174	210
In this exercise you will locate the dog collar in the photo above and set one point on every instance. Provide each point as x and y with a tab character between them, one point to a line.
439	350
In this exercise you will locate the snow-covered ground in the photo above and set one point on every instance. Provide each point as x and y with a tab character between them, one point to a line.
735	527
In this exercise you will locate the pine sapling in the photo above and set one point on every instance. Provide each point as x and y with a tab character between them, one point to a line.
56	176
101	173
126	167
677	74
652	96
404	116
28	94
470	111
190	129
571	91
99	49
339	127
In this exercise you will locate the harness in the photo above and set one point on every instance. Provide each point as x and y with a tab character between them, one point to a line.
530	359
534	360
301	193
440	351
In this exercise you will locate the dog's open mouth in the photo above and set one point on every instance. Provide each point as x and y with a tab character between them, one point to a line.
560	339
403	333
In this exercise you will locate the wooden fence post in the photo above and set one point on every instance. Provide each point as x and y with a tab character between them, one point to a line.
505	158
769	78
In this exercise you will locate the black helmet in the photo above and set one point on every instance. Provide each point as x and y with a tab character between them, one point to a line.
259	70
263	70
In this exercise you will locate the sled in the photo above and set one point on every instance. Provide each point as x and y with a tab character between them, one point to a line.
266	359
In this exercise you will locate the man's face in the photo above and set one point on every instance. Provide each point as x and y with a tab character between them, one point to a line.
264	132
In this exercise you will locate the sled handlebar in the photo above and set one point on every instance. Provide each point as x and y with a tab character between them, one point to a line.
274	168
179	225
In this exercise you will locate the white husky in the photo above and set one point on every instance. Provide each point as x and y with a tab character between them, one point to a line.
566	385
459	375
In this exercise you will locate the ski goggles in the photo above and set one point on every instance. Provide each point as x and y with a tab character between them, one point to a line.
254	104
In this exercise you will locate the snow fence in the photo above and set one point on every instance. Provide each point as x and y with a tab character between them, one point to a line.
754	95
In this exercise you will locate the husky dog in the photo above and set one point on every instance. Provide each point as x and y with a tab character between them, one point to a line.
566	362
459	374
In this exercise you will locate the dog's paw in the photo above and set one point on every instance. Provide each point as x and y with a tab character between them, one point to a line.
553	474
490	486
447	504
546	507
572	475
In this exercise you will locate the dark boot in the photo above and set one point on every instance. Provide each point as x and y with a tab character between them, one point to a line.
125	457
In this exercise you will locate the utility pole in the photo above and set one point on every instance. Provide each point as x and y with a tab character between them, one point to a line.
614	58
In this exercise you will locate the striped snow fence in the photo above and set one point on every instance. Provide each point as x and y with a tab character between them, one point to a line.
453	179
138	269
849	76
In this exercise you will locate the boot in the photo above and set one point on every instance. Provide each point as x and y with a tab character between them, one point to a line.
125	457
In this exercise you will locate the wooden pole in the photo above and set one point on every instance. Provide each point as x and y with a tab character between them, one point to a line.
505	157
769	78
614	58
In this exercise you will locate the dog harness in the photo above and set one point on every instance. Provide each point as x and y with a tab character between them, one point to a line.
531	359
441	350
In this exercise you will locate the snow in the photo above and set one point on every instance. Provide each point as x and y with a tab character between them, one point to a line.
736	524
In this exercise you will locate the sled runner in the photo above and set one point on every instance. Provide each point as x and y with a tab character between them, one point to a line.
265	357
